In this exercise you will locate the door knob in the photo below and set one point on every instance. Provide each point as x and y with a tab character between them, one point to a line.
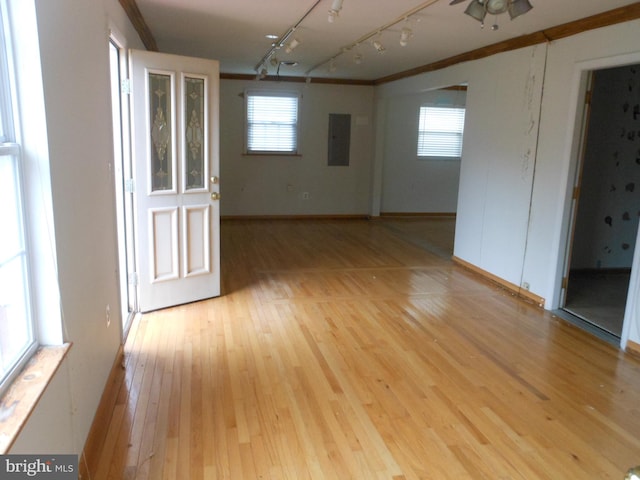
213	179
215	196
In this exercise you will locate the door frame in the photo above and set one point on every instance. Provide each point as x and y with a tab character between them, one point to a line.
582	71
122	172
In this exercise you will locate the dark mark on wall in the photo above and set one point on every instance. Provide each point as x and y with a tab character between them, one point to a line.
630	187
625	246
608	220
626	217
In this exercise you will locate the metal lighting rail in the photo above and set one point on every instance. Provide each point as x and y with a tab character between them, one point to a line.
282	40
373	33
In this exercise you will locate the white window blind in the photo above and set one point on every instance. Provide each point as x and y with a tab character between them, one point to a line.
272	123
440	132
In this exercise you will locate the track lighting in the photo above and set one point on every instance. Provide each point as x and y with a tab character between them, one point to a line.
373	38
379	46
334	11
405	35
291	46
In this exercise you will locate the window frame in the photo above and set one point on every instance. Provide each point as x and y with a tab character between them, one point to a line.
421	132
272	93
10	147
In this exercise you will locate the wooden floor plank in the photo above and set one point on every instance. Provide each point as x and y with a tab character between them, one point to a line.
357	349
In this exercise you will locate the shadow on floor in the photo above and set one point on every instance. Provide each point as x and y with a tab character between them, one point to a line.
599	298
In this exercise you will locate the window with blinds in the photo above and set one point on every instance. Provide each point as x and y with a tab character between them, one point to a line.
272	122
440	132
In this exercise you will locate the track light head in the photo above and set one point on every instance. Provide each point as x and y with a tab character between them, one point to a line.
291	46
405	35
334	11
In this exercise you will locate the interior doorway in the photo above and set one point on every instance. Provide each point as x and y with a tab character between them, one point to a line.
607	202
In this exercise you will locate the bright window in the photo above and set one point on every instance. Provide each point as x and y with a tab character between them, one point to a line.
272	122
440	132
17	331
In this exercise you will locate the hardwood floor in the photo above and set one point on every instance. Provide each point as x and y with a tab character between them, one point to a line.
341	350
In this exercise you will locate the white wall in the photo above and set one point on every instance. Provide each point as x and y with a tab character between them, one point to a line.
516	178
411	184
74	54
567	64
498	154
258	185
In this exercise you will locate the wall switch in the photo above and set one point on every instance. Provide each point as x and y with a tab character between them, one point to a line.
305	195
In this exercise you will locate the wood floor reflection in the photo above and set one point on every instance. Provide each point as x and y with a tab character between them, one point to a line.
342	349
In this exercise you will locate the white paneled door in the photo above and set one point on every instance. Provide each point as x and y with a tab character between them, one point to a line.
175	155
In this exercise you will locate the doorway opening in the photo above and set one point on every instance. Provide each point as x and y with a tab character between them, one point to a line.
606	203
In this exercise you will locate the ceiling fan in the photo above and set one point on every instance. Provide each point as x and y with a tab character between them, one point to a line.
479	9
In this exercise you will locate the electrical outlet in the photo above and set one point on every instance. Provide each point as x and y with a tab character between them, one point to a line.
305	195
525	285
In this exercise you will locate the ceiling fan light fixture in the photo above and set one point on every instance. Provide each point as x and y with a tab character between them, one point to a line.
519	7
477	10
496	7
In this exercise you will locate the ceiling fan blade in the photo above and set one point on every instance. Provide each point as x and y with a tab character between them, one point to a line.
455	2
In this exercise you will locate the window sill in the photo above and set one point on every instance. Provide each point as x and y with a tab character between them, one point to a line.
17	404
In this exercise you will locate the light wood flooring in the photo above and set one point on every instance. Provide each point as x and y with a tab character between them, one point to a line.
341	349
